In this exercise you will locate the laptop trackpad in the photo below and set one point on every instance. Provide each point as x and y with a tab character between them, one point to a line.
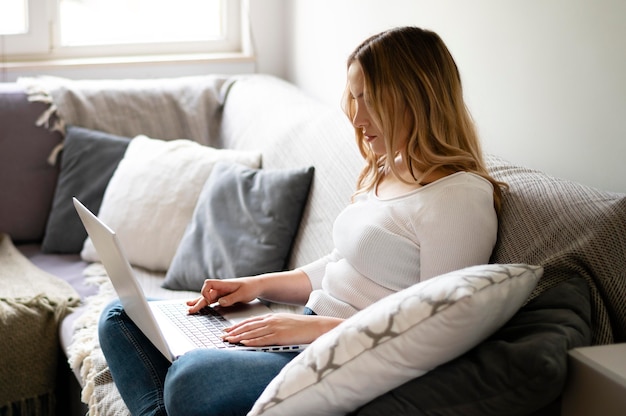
242	311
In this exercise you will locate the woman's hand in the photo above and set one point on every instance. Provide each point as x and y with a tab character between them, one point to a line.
280	329
226	292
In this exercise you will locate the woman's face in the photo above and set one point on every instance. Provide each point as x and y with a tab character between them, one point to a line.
362	119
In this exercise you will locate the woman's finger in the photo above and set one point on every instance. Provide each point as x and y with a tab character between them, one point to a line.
244	325
197	304
252	334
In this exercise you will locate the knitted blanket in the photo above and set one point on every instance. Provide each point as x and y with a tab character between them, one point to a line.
571	230
32	302
85	356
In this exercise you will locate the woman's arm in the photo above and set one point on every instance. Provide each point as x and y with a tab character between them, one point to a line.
285	287
292	287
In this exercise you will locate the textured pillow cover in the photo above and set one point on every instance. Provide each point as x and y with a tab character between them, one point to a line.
519	370
88	161
568	228
398	338
151	197
244	224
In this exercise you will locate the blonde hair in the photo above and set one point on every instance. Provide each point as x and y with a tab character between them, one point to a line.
409	70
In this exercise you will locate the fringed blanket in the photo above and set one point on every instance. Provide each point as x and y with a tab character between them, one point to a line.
167	109
32	303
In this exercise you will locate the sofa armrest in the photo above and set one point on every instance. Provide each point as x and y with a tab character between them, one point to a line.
27	179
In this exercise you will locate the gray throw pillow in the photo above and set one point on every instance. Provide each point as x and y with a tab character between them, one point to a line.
244	224
88	161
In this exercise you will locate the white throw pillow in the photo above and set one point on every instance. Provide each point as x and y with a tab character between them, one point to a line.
399	338
151	196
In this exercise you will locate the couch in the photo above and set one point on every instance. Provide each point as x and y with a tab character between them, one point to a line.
570	235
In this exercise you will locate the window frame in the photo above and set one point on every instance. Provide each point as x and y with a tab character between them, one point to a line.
36	40
42	41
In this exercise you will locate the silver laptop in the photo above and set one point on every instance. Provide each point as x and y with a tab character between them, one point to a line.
166	323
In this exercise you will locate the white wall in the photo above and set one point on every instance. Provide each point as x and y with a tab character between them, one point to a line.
268	25
544	79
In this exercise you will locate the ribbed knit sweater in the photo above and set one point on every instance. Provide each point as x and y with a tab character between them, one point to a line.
383	246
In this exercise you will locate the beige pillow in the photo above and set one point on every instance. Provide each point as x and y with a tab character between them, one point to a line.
152	194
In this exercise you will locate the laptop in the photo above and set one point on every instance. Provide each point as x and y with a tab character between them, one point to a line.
166	323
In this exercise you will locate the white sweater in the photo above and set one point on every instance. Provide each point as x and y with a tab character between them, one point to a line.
383	246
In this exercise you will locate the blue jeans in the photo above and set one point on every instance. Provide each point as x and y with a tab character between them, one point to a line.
201	382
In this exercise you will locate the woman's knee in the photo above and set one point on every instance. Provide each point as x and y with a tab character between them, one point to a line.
188	385
109	318
219	382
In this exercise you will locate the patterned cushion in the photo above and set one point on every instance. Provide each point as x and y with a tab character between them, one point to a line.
568	228
398	338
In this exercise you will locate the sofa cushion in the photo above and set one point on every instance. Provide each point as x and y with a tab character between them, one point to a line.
243	225
398	338
519	370
568	228
88	161
152	194
28	180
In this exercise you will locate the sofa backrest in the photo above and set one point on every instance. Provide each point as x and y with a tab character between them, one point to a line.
570	229
27	180
293	130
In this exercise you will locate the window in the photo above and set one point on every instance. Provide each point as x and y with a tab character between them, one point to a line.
104	28
23	27
13	17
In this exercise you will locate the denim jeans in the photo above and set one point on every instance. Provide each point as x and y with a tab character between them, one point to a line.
201	382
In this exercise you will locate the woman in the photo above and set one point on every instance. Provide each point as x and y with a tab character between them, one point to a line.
424	205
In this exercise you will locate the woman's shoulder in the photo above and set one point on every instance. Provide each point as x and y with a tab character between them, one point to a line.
458	183
464	178
460	198
462	186
461	183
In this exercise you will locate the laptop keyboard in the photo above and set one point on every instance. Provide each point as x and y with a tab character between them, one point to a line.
204	328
